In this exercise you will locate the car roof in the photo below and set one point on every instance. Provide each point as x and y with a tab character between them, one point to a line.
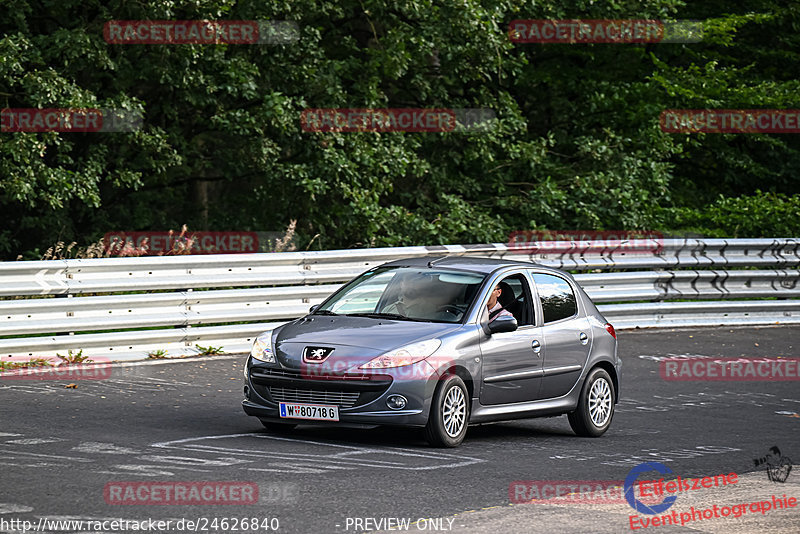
463	263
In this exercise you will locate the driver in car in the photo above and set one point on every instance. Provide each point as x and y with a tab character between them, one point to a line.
494	307
421	299
412	300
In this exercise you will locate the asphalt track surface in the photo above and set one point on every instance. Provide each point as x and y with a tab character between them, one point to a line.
181	421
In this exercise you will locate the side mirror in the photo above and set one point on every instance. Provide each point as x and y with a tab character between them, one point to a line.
313	308
504	323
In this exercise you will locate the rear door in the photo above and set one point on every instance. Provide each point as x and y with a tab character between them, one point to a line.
566	333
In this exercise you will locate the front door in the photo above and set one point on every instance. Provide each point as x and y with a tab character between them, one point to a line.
512	361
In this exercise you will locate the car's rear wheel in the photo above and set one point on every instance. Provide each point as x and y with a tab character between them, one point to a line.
447	423
278	428
595	407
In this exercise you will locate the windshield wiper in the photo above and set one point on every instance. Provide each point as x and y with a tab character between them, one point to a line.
384	316
324	312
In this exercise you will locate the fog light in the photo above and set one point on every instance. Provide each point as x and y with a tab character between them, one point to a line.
396	402
247	392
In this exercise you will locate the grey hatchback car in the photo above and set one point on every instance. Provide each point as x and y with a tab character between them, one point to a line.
413	343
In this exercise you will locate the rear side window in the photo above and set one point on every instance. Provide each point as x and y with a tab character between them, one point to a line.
558	299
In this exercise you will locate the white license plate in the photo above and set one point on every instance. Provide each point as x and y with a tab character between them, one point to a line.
316	412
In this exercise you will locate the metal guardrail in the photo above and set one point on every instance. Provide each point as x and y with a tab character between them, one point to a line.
108	307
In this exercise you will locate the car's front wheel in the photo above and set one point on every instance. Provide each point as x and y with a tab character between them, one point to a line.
447	423
595	407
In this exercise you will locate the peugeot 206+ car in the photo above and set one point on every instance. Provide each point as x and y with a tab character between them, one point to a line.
413	343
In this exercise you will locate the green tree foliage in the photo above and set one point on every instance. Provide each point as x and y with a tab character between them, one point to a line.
761	214
577	144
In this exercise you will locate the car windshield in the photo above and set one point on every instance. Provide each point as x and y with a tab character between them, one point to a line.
413	294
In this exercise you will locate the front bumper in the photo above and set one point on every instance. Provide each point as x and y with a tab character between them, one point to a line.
361	398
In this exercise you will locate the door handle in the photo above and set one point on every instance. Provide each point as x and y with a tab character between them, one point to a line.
536	346
584	338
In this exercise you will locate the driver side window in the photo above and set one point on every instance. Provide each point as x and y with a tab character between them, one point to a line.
516	298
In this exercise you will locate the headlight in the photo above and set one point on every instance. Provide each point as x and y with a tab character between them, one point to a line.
262	348
407	355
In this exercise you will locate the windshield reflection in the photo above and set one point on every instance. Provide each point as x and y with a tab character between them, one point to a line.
404	293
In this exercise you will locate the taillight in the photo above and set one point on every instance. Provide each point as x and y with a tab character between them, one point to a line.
611	330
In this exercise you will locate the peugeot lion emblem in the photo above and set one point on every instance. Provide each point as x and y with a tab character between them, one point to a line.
316	354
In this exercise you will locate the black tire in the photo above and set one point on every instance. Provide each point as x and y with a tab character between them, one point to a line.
278	428
449	417
595	407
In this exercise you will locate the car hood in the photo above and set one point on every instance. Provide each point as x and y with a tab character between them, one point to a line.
354	340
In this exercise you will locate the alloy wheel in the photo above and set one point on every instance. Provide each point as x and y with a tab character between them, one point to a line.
454	411
600	402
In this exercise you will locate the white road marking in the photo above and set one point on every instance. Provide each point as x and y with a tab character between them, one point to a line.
325	460
700	400
148	470
34	441
12	508
187	461
38	455
36	465
292	455
291	469
670	356
94	447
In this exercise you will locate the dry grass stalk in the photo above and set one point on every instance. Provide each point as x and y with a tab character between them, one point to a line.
286	243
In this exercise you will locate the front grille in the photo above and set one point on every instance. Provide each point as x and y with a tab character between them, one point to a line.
312	373
279	372
343	399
